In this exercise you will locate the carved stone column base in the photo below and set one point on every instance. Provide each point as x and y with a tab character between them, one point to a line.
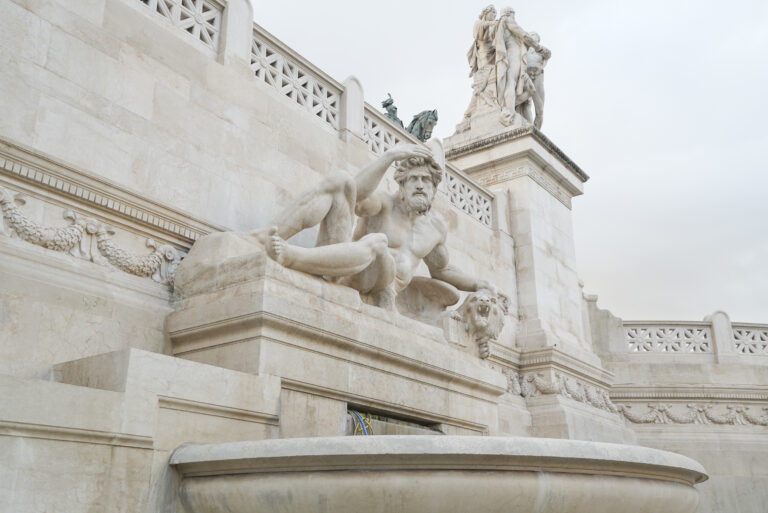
568	398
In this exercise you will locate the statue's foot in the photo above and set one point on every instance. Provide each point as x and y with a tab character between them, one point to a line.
507	117
276	247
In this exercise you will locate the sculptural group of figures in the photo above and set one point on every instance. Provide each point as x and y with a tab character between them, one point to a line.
507	67
369	239
374	241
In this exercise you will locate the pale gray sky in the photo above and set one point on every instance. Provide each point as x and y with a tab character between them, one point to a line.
662	103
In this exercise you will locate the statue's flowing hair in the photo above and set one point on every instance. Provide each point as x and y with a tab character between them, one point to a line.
405	166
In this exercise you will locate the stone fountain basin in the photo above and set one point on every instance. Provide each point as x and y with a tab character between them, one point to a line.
404	474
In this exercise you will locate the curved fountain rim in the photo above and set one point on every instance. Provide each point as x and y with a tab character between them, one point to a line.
434	453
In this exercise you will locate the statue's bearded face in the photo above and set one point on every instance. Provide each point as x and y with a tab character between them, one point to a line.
418	190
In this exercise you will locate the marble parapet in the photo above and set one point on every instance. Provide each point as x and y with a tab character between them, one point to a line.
250	314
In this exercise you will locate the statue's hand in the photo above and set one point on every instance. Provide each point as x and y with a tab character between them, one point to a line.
405	151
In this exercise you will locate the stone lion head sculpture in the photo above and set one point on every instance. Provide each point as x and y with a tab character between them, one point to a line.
482	313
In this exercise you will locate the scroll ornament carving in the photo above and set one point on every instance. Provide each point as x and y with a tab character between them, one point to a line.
83	234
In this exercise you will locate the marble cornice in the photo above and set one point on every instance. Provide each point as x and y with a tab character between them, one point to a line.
71	434
531	361
377	404
538	136
190	340
688	393
39	173
216	410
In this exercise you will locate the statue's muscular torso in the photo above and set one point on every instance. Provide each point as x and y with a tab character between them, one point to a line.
411	237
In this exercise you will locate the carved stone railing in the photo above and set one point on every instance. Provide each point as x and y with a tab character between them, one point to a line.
668	337
294	77
715	335
302	83
380	134
199	18
468	197
750	339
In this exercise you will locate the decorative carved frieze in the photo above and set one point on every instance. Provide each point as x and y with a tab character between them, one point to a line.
77	187
711	413
64	238
534	385
82	235
692	413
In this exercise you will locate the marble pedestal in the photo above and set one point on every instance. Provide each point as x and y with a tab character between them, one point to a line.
534	183
333	352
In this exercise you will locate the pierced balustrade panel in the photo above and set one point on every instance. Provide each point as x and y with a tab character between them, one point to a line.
468	199
199	18
751	340
462	194
295	82
378	136
668	339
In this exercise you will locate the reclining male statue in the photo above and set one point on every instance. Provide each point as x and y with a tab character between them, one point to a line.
394	234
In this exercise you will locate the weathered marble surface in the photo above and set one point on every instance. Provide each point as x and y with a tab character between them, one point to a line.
413	474
166	125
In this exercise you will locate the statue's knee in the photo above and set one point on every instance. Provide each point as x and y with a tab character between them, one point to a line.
377	242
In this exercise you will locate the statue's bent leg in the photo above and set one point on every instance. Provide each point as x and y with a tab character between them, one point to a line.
330	204
334	260
378	278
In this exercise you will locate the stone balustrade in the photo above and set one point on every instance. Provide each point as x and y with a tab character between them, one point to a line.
751	339
337	106
201	19
380	134
715	335
301	82
668	337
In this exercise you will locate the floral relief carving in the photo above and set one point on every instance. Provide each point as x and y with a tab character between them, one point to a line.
82	235
533	385
58	239
750	340
738	415
160	265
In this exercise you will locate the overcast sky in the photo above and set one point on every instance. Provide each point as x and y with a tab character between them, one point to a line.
662	103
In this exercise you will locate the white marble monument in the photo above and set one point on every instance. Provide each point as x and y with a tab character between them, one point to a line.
218	265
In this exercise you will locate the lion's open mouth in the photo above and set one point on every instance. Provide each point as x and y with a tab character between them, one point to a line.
484	309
